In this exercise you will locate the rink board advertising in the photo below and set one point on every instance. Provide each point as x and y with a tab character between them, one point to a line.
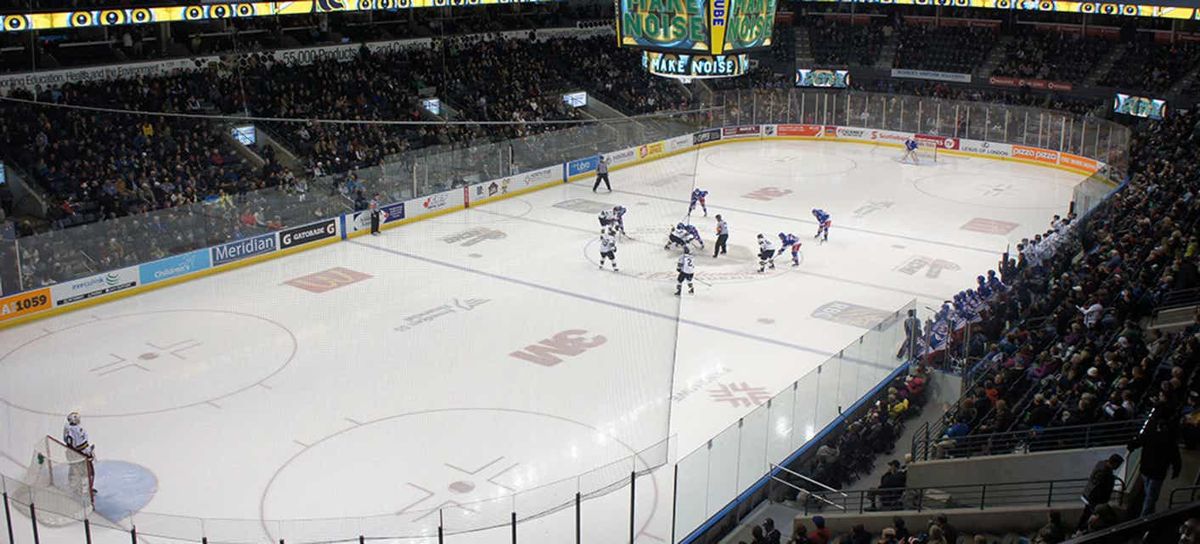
836	79
308	233
1138	106
249	247
93	286
715	27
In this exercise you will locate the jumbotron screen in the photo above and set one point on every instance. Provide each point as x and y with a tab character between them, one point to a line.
714	27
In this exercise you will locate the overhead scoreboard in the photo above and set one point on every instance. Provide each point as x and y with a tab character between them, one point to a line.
695	38
1162	9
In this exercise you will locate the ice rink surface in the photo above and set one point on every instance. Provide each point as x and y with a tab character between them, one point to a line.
393	376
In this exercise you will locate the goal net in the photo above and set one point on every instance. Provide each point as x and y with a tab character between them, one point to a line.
58	482
927	150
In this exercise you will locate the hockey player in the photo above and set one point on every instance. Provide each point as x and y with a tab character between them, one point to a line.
910	150
766	254
687	270
695	235
823	223
619	213
606	218
790	241
76	438
679	237
608	247
698	198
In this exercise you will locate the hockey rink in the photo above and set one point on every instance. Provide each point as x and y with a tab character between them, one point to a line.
367	385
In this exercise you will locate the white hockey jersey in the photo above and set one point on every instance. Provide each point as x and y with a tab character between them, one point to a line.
764	244
608	243
76	438
682	234
686	265
607	216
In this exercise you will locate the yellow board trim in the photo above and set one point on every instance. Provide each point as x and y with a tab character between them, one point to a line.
281	253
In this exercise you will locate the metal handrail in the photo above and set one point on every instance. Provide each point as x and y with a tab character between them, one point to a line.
808	493
1043	493
807	479
1193	495
1046	439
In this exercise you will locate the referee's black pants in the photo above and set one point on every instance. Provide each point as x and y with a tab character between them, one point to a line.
719	247
602	177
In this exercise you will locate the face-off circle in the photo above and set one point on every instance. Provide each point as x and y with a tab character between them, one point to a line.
468	465
149	362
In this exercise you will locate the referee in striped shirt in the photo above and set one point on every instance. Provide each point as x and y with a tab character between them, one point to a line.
722	237
602	175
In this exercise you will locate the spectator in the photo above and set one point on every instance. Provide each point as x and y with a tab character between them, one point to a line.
891	486
1159	442
949	532
820	534
1099	488
1054	531
859	535
936	535
799	533
901	530
771	535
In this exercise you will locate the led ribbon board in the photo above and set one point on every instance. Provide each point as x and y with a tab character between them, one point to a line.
17	22
1164	9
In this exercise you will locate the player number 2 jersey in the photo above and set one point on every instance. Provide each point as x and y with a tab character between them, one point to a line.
686	265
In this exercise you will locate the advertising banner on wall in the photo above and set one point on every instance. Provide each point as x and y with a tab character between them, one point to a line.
1078	163
941	142
582	166
811	131
171	267
985	148
679	142
306	234
240	249
432	203
621	157
747	131
1039	84
706	136
93	286
650	150
931	75
1035	154
22	304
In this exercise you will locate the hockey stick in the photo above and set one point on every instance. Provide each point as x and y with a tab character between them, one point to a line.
702	282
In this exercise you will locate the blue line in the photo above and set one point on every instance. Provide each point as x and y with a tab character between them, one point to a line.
635	309
712	520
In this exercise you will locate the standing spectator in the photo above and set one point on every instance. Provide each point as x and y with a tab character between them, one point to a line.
912	332
1092	314
1099	488
1159	441
602	175
722	237
891	486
